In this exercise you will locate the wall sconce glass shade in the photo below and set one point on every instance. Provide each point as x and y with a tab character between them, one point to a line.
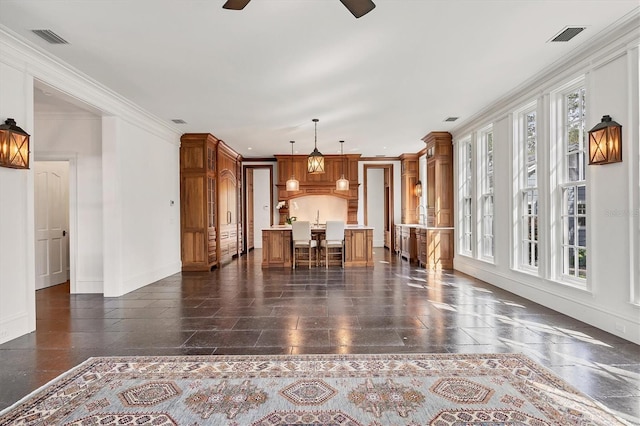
292	184
605	142
14	146
315	162
418	189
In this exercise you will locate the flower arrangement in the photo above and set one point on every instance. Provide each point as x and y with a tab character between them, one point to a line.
281	204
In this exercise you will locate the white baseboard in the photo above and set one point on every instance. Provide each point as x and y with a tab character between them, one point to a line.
14	327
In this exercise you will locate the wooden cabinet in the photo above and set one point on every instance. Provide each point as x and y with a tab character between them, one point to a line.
228	204
197	202
421	246
409	199
439	179
435	248
408	243
209	202
358	247
276	248
430	247
319	184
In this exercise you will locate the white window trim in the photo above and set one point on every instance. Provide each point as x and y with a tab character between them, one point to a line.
462	147
520	185
558	180
484	193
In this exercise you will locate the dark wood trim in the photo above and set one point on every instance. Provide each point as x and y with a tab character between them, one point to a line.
381	159
388	170
250	159
244	196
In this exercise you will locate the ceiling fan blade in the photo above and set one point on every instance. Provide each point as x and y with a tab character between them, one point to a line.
235	4
359	7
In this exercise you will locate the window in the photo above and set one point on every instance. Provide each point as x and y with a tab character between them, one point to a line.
466	186
487	244
527	139
573	188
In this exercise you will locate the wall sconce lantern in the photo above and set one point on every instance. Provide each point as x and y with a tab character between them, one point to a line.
418	189
605	142
315	162
14	146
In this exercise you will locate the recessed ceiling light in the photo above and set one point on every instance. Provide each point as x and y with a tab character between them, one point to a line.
178	121
451	118
249	148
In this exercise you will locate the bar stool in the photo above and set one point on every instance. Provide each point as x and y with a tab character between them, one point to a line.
301	236
334	239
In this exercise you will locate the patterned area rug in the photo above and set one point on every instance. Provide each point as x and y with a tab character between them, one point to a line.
345	390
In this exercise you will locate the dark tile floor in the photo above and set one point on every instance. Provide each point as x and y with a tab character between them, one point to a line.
391	308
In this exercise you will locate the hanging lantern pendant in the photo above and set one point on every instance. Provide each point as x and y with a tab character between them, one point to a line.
315	162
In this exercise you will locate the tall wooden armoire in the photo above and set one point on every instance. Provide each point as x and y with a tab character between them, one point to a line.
210	204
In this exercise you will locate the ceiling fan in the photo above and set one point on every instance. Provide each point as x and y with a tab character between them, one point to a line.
357	7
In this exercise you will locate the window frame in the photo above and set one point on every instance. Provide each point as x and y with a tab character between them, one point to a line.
486	199
562	182
466	196
524	189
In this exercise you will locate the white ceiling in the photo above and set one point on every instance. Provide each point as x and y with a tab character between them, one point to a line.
257	77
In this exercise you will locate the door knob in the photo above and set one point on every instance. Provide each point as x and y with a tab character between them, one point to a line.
64	233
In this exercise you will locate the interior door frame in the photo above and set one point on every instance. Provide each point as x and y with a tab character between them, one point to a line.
388	171
72	159
245	224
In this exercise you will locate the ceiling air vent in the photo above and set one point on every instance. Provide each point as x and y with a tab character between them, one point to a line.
50	37
567	33
179	121
451	118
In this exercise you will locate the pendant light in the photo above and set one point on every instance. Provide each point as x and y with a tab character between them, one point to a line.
342	184
292	184
315	162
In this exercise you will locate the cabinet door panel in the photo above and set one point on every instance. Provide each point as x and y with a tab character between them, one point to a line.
193	196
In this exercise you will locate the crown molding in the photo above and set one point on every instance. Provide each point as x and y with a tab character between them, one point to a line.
19	53
612	42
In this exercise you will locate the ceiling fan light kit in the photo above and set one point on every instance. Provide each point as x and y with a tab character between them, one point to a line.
357	8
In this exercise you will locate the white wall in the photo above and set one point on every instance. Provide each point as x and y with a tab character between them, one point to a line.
262	204
141	177
79	137
610	67
141	206
17	264
375	205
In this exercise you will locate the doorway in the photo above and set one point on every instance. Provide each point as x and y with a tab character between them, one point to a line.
258	202
51	212
378	202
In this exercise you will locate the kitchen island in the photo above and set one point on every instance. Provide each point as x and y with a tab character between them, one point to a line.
277	249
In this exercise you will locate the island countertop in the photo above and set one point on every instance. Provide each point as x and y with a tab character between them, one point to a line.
316	228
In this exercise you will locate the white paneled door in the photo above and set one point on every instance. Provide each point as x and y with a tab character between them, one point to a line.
51	222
